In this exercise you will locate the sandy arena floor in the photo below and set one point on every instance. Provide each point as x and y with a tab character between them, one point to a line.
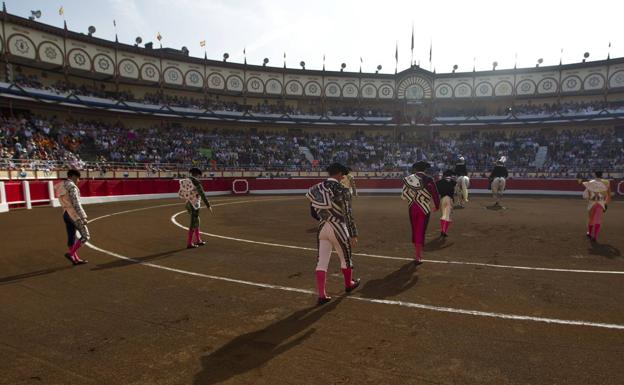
241	312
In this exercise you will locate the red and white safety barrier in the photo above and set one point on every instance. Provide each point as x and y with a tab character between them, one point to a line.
4	205
29	193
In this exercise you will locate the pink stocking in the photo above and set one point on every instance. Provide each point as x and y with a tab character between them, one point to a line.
320	283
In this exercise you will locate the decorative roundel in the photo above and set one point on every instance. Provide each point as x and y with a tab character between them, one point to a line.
215	81
294	87
234	83
50	53
444	90
173	75
128	68
617	80
333	90
194	77
571	83
350	90
547	85
21	45
80	59
525	87
503	89
103	63
463	90
385	91
312	89
593	82
484	89
273	86
149	72
369	91
255	84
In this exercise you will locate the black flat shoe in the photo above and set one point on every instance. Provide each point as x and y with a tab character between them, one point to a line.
356	283
69	258
418	263
322	300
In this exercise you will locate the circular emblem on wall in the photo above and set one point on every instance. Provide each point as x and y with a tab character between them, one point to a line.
294	87
273	86
594	81
103	64
80	59
255	84
462	91
484	89
414	92
215	81
150	72
173	75
194	77
444	91
571	83
22	45
504	88
350	90
234	83
313	88
128	68
333	89
619	78
547	85
369	91
525	87
50	53
386	91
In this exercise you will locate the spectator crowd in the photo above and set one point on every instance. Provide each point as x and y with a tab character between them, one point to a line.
35	142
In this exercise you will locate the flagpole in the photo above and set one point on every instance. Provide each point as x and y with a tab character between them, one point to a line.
396	58
412	61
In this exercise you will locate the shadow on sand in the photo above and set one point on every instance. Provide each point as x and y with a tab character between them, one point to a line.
392	284
134	261
38	273
252	350
604	250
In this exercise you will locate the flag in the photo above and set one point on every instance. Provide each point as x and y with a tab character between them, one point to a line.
284	59
159	36
561	57
245	54
114	23
61	11
361	61
609	53
412	36
323	62
202	43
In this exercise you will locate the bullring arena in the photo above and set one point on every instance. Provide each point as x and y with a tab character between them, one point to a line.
524	287
512	297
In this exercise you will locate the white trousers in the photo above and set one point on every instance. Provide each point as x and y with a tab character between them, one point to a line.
498	186
327	242
461	188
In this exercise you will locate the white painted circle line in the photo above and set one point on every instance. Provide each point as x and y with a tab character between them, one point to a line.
369	300
551	269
